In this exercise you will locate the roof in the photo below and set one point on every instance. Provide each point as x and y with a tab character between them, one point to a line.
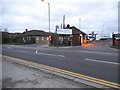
77	31
35	33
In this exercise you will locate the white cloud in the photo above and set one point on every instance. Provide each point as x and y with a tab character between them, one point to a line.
33	14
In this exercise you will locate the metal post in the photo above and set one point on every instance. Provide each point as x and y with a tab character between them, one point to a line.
113	38
102	31
48	17
79	23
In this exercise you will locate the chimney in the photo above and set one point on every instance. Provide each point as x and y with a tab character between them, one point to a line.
61	26
68	26
63	21
26	30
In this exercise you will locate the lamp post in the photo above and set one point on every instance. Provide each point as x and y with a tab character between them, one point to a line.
48	16
79	23
48	13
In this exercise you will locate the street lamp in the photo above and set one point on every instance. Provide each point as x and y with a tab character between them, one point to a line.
48	18
48	13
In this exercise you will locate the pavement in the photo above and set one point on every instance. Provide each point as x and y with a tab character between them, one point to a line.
22	76
0	73
0	67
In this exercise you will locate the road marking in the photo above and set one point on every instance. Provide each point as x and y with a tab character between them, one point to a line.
21	51
101	61
36	51
47	54
61	55
76	75
43	53
102	53
9	47
51	54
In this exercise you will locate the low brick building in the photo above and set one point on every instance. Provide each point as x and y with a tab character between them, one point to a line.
34	37
69	36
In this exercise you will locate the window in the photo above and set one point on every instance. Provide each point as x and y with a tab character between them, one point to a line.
29	38
42	38
37	38
24	39
47	38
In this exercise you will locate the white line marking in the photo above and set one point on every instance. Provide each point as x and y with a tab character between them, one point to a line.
21	51
9	47
102	53
36	51
43	53
51	54
101	61
61	55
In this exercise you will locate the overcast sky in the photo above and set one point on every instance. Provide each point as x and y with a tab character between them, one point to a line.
18	15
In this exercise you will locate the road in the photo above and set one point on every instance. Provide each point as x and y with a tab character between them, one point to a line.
96	61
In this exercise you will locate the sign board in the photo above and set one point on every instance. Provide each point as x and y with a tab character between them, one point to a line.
64	31
117	36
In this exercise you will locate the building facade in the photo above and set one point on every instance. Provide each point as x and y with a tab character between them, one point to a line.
68	37
34	37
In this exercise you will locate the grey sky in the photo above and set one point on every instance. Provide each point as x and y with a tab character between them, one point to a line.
18	15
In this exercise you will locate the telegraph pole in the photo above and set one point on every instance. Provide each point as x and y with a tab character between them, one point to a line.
79	23
102	30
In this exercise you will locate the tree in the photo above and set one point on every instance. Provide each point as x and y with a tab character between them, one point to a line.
5	29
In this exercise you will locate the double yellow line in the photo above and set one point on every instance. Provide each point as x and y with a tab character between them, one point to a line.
76	75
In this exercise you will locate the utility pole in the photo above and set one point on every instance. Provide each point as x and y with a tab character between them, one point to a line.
102	30
63	21
48	13
79	23
110	32
48	18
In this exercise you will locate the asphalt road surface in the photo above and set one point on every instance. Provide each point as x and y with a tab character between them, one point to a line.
96	61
